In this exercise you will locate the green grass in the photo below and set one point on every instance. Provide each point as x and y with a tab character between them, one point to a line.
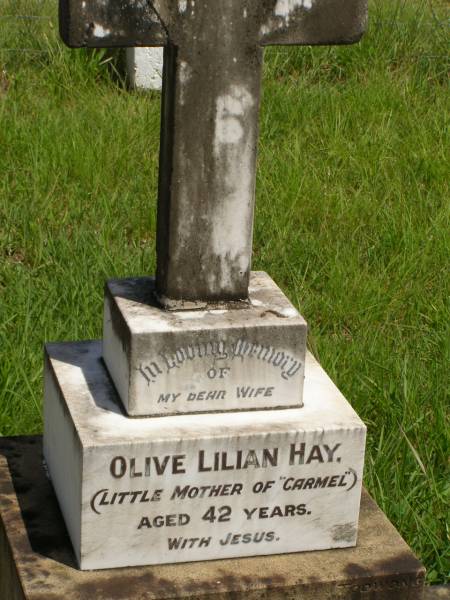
352	222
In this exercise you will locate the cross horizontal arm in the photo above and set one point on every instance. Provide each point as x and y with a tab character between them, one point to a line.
314	22
110	23
127	23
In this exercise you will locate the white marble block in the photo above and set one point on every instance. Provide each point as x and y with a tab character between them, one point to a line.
188	361
144	67
197	487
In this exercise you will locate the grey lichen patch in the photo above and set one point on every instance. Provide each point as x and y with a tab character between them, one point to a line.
346	532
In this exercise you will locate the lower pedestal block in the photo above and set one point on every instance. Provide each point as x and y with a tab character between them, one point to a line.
197	487
37	561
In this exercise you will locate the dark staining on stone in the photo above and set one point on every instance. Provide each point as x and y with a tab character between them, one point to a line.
273	312
114	23
121	583
326	22
402	562
399	577
236	586
344	533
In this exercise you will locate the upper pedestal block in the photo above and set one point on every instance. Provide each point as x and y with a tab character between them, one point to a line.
250	356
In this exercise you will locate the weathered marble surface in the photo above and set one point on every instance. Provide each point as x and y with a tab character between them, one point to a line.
197	487
247	357
144	68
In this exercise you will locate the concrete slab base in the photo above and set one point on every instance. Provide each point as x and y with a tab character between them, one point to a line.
37	561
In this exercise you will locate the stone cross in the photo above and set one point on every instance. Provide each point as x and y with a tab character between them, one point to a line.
209	123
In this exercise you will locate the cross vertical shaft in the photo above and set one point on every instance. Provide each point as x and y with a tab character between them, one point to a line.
208	157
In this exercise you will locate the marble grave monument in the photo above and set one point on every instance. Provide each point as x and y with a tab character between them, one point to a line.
201	428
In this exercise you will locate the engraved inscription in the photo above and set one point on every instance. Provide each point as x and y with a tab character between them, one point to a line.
247	493
167	362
